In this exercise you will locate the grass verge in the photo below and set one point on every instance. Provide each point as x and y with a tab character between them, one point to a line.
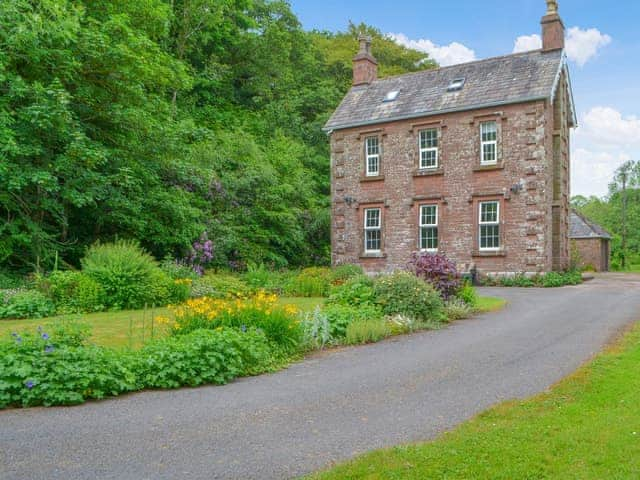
128	328
490	304
586	427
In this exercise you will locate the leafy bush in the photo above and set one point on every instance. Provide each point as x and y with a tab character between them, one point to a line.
438	270
27	304
366	331
520	280
310	282
342	273
203	356
468	294
548	280
316	329
280	324
72	292
341	316
355	291
177	270
129	276
11	281
59	369
457	309
404	293
556	279
219	285
261	278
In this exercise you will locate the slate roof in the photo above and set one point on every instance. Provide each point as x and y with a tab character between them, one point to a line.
492	82
581	227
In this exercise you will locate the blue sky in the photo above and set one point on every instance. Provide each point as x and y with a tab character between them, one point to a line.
603	47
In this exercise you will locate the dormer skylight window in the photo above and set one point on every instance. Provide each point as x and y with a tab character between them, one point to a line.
391	96
456	85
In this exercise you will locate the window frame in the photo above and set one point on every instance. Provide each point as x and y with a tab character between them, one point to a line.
368	228
484	142
423	150
495	223
369	156
423	226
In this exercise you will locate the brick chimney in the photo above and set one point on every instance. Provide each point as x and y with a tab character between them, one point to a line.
365	66
552	28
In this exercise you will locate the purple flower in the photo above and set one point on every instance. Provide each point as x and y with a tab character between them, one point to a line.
29	384
45	336
49	349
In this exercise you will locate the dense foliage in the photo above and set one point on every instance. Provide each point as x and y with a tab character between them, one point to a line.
160	120
438	270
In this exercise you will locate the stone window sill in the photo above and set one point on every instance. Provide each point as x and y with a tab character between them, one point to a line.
379	178
373	255
489	253
428	172
488	168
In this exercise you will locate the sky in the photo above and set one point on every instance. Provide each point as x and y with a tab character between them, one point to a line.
603	47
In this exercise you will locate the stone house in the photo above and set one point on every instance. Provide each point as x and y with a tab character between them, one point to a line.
470	160
590	243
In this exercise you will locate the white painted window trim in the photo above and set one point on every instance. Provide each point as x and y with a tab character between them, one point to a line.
428	225
489	142
429	149
369	156
485	223
368	228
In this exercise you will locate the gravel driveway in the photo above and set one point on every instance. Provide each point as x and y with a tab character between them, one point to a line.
331	406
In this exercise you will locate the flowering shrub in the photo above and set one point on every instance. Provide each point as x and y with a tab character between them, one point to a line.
279	324
201	254
27	304
59	369
438	270
404	293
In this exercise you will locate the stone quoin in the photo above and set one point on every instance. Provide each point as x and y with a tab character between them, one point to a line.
470	160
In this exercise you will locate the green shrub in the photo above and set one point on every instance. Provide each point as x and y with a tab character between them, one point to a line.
316	329
468	294
556	279
366	331
341	316
457	309
310	282
342	273
11	280
129	276
219	285
519	280
404	293
27	304
177	270
201	357
72	292
59	369
355	291
272	281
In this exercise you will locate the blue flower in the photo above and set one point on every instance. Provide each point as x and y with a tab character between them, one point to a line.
243	328
49	349
29	384
18	339
45	336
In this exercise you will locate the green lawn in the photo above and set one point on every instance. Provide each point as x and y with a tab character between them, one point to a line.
124	328
490	304
586	427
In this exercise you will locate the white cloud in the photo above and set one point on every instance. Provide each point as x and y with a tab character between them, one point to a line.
607	127
604	140
526	43
445	55
581	45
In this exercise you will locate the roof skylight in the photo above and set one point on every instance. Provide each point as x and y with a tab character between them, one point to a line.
456	84
391	96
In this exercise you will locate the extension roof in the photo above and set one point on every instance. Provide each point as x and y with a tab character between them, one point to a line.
581	227
516	78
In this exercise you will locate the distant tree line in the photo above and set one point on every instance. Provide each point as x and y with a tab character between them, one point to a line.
158	120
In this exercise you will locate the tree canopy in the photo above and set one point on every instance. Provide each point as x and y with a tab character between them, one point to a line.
157	120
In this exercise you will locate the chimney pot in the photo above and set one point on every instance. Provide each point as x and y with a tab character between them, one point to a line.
552	28
365	66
